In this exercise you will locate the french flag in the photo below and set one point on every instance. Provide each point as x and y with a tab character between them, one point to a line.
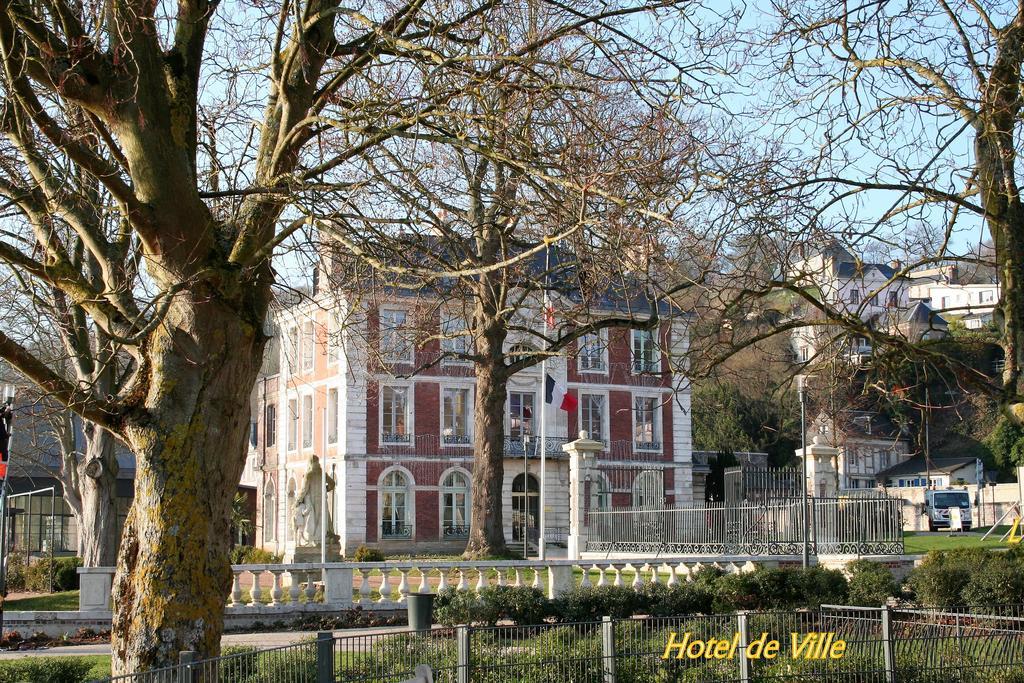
556	394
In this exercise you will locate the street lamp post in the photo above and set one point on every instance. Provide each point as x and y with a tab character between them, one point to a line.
801	381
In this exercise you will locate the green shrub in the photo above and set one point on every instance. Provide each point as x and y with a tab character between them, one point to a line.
999	581
871	583
521	605
708	576
678	600
736	591
16	571
45	670
367	554
774	589
247	554
818	586
65	574
940	580
591	603
453	607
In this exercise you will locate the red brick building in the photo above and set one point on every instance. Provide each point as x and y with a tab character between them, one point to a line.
339	382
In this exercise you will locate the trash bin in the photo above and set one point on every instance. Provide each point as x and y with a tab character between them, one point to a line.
421	610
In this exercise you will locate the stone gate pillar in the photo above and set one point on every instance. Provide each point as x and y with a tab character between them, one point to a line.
582	453
822	468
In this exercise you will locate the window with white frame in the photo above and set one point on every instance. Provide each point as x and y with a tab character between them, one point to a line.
592	415
455	339
394	402
307	421
332	416
592	353
455	505
892	299
308	346
874	299
645	351
269	513
395	345
987	296
520	414
855	296
293	424
394	522
646	432
455	410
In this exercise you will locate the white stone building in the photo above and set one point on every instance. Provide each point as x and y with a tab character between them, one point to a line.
942	289
874	292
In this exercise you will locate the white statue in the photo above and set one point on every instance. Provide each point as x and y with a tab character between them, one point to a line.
309	504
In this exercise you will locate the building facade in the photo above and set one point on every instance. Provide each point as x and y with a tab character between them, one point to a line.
393	426
874	292
972	303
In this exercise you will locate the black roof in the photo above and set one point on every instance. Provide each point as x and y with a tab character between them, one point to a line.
565	274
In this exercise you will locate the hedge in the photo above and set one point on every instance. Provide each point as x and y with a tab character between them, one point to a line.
45	670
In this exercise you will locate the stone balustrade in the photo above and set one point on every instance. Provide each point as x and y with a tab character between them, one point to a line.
316	587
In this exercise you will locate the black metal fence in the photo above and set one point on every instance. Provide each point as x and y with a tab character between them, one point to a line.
866	526
834	643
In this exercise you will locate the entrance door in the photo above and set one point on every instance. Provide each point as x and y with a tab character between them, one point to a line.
525	508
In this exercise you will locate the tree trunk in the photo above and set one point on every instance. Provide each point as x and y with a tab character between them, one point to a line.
173	570
97	478
995	153
487	533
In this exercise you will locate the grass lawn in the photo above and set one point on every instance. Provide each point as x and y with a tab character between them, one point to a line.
45	602
915	543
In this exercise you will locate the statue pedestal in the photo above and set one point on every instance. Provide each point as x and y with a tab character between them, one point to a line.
311	553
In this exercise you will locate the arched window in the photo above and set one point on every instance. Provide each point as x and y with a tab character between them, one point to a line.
600	494
649	490
394	516
455	505
269	513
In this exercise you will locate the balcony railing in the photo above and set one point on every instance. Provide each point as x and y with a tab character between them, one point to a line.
395	530
515	446
461	446
395	438
455	530
457	439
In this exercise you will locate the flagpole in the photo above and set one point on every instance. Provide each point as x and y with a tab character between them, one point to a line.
541	554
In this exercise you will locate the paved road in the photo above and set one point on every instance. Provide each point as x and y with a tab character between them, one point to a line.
260	640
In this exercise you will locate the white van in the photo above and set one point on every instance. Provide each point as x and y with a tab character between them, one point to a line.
937	504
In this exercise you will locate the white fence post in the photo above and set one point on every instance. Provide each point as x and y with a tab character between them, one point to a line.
887	653
743	629
462	654
608	650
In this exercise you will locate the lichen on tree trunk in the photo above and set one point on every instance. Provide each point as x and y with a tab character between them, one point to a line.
173	570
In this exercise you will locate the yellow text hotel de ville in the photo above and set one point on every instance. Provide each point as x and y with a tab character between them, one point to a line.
816	645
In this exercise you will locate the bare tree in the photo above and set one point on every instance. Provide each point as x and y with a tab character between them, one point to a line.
569	196
914	115
135	97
